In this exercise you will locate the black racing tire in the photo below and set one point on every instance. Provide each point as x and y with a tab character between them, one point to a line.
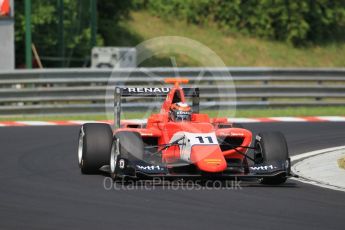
131	145
95	141
237	125
269	147
127	146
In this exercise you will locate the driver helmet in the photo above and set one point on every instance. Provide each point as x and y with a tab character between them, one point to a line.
180	112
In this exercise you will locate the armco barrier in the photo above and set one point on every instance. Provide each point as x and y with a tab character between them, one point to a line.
80	91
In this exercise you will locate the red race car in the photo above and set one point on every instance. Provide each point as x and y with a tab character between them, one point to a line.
179	142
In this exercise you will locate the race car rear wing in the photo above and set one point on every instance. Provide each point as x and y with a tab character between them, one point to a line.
149	92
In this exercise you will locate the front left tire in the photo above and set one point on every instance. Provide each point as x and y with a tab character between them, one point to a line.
270	147
95	140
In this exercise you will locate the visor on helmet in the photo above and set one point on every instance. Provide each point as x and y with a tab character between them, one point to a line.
180	112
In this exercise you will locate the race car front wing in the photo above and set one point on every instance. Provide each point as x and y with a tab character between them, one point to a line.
138	169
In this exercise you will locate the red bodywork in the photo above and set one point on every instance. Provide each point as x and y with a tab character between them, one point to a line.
208	158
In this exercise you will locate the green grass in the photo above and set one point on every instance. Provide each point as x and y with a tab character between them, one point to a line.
234	49
290	111
341	163
299	111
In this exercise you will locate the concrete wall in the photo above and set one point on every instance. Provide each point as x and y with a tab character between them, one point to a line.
7	58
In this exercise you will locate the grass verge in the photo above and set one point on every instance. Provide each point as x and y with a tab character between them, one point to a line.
270	112
341	163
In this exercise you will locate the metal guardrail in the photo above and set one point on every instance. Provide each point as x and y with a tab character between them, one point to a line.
80	91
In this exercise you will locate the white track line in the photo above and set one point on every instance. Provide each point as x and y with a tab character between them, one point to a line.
81	122
315	183
35	123
332	118
314	153
288	119
243	120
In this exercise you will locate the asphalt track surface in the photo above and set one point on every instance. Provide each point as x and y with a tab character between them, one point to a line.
41	187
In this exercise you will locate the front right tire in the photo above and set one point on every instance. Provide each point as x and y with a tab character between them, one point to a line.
127	146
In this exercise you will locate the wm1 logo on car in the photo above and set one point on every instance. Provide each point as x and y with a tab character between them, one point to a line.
263	167
150	167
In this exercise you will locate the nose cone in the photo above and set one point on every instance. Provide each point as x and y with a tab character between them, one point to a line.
208	158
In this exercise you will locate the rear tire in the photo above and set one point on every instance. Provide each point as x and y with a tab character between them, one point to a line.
94	147
271	147
237	125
